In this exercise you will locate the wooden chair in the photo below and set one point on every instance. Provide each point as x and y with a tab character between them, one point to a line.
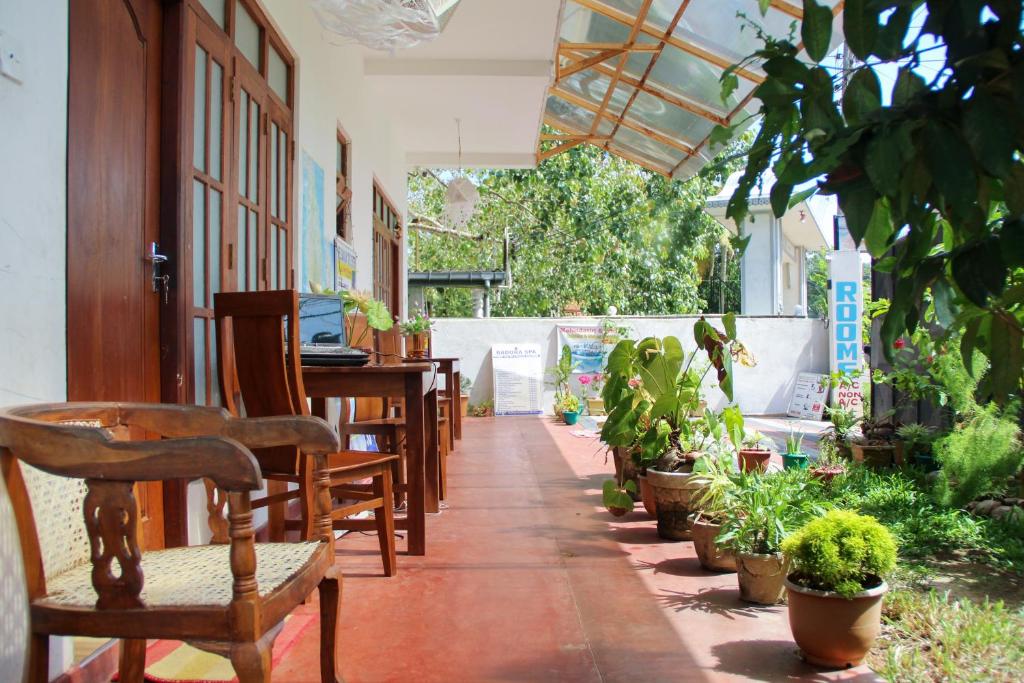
263	376
229	598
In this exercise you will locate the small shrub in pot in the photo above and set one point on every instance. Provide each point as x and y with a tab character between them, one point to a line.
835	589
712	502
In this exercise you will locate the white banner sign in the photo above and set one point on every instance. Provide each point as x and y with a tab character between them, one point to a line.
809	396
585	342
518	379
846	309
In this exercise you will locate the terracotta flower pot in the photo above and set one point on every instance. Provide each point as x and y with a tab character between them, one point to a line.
616	511
826	473
761	577
416	345
712	556
754	460
673	501
831	630
878	456
647	496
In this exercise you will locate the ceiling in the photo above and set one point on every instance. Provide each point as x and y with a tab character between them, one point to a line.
490	68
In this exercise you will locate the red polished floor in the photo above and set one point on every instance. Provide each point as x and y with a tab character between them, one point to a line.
528	578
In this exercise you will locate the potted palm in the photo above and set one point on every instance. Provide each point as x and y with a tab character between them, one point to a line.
763	510
416	331
559	375
652	387
794	457
835	589
712	502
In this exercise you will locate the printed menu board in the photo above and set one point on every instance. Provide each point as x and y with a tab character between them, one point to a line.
518	379
809	396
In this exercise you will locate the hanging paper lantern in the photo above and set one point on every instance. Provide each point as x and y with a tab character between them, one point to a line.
386	24
461	198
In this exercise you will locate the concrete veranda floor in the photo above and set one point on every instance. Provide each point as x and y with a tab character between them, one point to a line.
528	578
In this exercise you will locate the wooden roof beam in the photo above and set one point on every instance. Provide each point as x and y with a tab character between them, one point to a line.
625	18
585	63
628	47
650	166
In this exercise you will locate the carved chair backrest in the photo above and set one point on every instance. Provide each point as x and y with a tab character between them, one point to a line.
258	365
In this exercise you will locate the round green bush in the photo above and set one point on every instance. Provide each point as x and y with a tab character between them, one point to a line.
840	552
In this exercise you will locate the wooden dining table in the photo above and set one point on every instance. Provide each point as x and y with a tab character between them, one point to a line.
416	384
452	372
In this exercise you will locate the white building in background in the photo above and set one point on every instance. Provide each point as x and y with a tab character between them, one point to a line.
773	277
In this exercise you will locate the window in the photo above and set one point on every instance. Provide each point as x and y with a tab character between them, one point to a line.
387	263
343	199
241	181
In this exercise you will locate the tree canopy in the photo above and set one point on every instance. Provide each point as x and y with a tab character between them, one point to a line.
584	227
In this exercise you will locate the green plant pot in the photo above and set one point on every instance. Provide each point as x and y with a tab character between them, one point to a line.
794	461
570	416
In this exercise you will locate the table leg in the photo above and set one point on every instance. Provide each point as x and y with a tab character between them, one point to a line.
432	454
457	405
451	386
414	450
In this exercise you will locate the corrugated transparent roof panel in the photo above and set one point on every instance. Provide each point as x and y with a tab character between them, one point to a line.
662	166
591	87
642	145
714	26
668	119
575	118
692	77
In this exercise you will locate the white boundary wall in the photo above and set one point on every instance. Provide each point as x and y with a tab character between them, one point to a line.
783	347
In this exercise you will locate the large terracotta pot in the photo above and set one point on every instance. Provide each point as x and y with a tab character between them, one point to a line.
761	577
874	456
712	556
647	496
833	631
754	460
416	345
673	500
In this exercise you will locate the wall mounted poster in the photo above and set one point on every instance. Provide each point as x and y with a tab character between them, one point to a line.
585	342
518	379
809	396
344	265
316	264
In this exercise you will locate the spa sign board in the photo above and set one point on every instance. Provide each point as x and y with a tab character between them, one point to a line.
518	379
846	309
585	343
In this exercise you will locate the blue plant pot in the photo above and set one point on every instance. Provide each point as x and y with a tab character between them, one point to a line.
570	417
794	461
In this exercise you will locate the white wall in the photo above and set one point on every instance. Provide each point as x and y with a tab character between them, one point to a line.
758	273
783	347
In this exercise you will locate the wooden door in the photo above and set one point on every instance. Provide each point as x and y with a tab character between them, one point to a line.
113	211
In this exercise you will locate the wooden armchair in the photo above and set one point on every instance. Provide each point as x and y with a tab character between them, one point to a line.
230	599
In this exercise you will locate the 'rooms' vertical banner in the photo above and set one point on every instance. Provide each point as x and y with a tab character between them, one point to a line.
846	309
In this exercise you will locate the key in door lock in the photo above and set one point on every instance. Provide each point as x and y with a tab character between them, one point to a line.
161	281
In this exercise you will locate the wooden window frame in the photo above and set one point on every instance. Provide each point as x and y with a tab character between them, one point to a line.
387	250
343	187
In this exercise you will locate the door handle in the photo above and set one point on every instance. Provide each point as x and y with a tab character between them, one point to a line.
160	282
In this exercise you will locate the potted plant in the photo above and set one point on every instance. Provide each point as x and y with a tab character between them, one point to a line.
559	375
763	511
835	589
843	420
750	446
416	331
593	383
618	498
482	409
829	464
377	315
794	457
465	386
570	408
875	446
712	502
652	387
914	443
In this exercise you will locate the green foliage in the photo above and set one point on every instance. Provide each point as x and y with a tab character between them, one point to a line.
569	403
978	456
378	317
560	373
933	637
794	441
615	496
585	227
715	497
842	552
764	509
932	172
419	323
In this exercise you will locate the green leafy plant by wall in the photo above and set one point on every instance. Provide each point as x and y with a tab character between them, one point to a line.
929	176
978	456
842	552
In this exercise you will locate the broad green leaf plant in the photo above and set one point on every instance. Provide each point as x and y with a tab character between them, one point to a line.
929	173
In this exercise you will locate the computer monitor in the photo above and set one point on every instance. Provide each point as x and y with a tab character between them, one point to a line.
321	320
